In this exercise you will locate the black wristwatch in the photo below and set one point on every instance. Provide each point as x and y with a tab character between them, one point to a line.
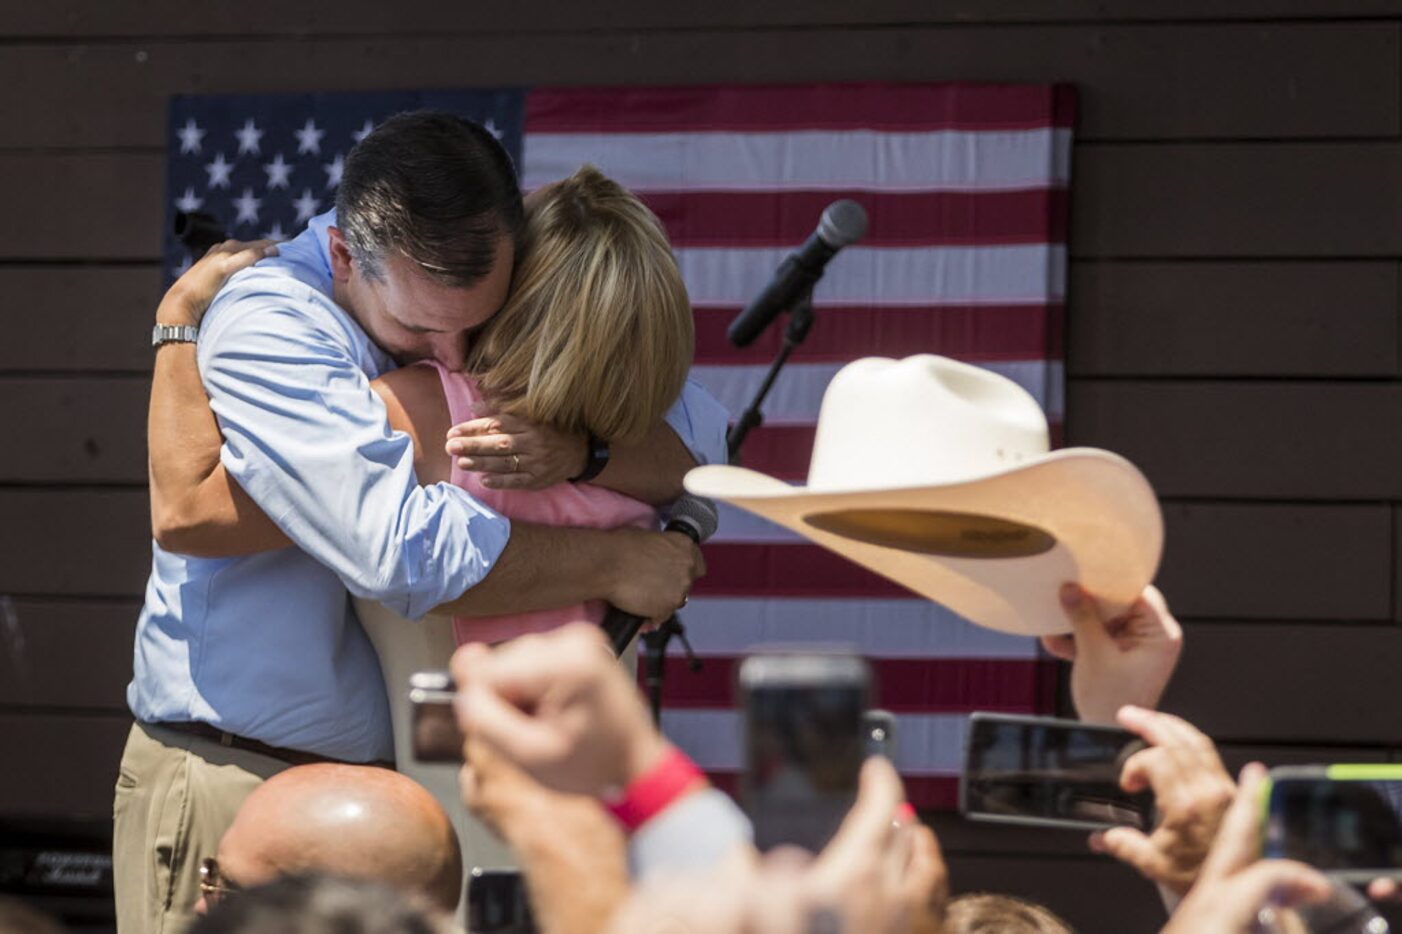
598	460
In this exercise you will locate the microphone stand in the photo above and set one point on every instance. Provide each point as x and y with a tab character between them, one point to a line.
655	661
800	322
655	642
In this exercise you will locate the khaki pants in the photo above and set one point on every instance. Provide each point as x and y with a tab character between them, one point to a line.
176	795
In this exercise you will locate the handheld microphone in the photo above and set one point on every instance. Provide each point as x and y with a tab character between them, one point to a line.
843	224
695	518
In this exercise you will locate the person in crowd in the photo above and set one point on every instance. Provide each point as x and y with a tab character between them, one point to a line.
571	852
347	820
322	904
1234	884
249	660
1192	791
990	913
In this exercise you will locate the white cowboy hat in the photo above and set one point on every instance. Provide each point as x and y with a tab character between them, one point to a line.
936	474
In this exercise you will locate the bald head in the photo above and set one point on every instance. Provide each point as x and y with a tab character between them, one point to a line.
346	820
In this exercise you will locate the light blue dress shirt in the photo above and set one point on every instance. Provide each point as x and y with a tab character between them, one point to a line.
267	646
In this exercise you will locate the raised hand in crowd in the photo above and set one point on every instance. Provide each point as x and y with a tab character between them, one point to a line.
1234	884
559	706
572	853
1116	660
876	875
1192	792
188	299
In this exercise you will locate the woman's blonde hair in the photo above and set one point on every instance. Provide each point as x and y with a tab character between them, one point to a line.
597	335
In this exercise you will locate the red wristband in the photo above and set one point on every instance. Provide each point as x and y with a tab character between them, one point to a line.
651	792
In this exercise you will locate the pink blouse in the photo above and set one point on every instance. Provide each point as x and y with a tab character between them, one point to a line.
577	504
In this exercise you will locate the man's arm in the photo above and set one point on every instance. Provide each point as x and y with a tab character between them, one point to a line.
513	453
195	508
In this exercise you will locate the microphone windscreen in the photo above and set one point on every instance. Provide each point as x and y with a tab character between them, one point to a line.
843	224
698	513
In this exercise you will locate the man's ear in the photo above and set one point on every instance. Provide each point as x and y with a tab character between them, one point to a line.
340	255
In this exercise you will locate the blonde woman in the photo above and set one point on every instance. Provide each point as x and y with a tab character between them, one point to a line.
595	337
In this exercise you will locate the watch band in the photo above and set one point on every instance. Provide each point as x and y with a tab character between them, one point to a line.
598	460
174	334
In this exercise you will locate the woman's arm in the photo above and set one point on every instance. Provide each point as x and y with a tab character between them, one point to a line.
196	508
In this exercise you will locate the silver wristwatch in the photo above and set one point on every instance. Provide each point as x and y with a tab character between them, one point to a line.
174	333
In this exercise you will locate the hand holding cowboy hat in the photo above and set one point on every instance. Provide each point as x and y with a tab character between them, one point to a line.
937	475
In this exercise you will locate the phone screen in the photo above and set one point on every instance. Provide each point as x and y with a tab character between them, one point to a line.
805	742
432	723
1337	825
1036	770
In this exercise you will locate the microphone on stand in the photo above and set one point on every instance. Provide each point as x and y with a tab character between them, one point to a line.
843	224
695	518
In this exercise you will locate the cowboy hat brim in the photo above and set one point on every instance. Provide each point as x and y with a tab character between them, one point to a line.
995	549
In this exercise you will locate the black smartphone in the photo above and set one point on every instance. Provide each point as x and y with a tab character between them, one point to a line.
1342	819
1046	772
804	743
497	903
434	725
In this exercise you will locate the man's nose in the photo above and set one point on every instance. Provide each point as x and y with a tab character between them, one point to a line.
449	350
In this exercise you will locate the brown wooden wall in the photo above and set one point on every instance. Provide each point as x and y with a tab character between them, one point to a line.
1233	324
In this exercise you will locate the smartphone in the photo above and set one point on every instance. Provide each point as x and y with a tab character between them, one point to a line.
1045	772
1342	819
433	723
804	744
497	903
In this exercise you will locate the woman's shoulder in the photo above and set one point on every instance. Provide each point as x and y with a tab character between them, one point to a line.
416	404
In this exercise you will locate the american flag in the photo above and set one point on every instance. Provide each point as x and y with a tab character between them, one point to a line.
966	186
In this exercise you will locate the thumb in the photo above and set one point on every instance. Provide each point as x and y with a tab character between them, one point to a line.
1084	615
1284	882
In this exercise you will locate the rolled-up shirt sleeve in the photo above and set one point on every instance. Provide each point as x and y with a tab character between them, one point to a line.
700	421
308	439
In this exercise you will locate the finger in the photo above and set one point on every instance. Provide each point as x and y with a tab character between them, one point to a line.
1130	846
868	828
1238	839
1384	890
490	463
1148	768
1061	646
1186	750
525	740
1285	883
485	425
513	481
480	445
1081	609
466	661
1152	601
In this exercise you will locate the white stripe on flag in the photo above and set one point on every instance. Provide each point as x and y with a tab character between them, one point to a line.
948	275
925	743
876	628
948	160
797	394
739	525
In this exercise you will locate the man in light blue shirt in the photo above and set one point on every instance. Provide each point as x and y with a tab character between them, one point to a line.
247	659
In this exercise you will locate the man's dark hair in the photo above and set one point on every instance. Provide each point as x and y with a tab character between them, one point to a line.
318	904
434	187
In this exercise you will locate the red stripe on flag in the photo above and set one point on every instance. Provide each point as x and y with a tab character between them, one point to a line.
784	451
901	685
746	569
933	792
972	333
779	108
917	218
